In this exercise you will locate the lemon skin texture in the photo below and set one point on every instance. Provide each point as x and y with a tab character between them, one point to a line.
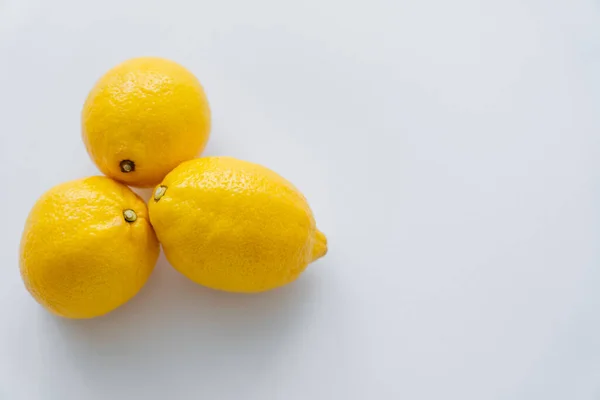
87	247
233	225
143	118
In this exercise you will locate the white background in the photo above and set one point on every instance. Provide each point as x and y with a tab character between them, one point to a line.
449	149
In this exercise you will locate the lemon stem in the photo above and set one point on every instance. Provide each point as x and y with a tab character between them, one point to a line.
160	192
129	215
127	166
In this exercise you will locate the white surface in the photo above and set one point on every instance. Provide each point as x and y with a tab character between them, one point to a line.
448	148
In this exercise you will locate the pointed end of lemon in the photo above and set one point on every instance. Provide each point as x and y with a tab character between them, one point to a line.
320	247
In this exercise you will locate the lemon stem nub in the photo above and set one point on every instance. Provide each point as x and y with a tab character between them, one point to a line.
129	215
127	166
160	192
320	246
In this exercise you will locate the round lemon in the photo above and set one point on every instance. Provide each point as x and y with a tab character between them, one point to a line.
143	118
234	225
87	247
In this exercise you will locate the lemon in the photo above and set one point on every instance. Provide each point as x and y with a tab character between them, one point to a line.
87	247
143	118
234	225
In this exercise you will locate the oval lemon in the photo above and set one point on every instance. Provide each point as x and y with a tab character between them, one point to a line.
143	118
234	225
87	247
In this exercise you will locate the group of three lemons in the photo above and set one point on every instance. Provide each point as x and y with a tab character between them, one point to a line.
90	245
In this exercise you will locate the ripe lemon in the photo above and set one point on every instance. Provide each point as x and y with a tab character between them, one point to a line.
87	247
143	118
234	225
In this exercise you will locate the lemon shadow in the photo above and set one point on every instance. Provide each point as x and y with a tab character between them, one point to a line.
144	193
173	321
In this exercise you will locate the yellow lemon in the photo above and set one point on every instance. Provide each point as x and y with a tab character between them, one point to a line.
143	118
234	225
87	247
